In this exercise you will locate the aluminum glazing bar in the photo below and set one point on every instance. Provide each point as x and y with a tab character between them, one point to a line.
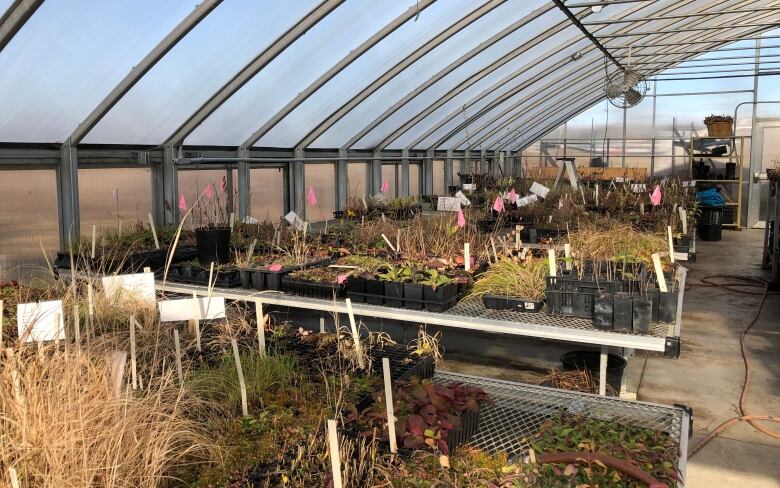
336	69
558	121
681	16
439	39
574	20
702	60
604	3
251	69
739	37
697	51
14	18
684	29
139	70
452	67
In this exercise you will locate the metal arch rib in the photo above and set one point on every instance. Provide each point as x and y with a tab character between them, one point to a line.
568	115
185	26
440	38
452	67
335	70
14	18
251	69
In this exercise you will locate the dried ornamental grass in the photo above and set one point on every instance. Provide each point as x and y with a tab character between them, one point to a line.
512	278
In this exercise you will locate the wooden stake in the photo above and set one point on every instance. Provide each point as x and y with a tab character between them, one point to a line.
671	243
551	257
389	405
389	243
355	335
493	245
335	457
1	324
261	327
76	327
518	242
567	254
133	357
178	357
467	256
232	220
94	238
117	372
14	478
154	231
241	383
659	273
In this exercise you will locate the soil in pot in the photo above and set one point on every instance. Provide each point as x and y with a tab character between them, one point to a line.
213	245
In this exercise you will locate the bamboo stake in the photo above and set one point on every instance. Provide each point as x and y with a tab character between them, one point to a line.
154	232
467	256
94	238
335	457
355	335
261	327
389	405
178	357
671	243
133	357
240	372
389	243
493	245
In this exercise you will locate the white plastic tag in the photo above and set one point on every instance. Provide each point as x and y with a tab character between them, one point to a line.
462	198
539	190
448	204
40	321
132	287
187	309
295	221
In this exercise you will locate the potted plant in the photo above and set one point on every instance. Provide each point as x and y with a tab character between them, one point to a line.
212	228
395	279
513	284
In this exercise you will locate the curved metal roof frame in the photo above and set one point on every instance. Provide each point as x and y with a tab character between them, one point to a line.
567	116
15	17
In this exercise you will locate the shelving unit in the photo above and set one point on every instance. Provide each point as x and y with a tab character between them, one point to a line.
735	154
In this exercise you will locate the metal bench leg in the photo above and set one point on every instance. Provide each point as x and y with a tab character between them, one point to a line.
603	372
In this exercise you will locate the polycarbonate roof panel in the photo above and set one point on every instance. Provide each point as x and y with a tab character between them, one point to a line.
4	4
197	67
439	58
291	72
69	56
388	52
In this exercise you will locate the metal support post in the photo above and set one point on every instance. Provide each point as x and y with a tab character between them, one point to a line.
374	174
465	163
229	189
405	172
342	185
170	188
68	186
482	161
427	173
244	184
298	184
448	170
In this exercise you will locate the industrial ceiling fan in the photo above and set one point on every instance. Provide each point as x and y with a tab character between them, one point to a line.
626	88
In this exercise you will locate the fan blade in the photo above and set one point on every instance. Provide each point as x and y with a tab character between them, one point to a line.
633	97
614	91
631	77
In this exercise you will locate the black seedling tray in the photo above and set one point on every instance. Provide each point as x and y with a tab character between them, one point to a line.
264	279
127	263
196	275
402	295
500	302
312	289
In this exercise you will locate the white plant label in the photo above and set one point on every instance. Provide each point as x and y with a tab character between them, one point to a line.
527	200
551	258
619	179
188	309
380	197
539	190
659	273
687	184
462	198
40	321
295	221
470	186
448	204
638	187
684	220
133	287
680	256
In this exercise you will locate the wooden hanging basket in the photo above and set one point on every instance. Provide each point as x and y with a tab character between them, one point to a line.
719	126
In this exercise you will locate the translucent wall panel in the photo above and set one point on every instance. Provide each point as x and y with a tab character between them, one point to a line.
415	180
391	173
108	197
322	178
356	180
192	183
439	58
690	111
28	218
364	70
266	194
294	70
215	50
439	187
69	56
4	4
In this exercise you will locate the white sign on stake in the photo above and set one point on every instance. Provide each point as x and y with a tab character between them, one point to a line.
186	309
526	200
293	219
470	186
40	321
448	204
638	187
686	184
137	287
539	190
463	199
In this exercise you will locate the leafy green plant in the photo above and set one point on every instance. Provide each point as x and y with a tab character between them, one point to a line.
434	278
399	274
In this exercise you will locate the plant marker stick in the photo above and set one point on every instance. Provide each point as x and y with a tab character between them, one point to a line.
567	254
493	245
1	324
154	232
684	220
389	405
240	371
355	335
322	324
133	360
671	242
597	193
398	241
117	371
467	256
642	208
388	242
232	221
76	327
195	322
335	457
14	478
551	258
659	273
518	228
178	357
261	327
94	238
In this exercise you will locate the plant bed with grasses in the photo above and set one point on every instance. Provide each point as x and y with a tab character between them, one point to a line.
193	273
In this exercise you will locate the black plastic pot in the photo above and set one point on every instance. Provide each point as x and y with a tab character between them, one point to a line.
311	289
709	227
501	302
213	245
641	314
258	279
356	289
413	296
731	171
245	276
667	308
394	294
441	298
622	313
591	361
469	425
602	311
375	291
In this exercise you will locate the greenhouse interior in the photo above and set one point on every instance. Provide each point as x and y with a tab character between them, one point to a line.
389	243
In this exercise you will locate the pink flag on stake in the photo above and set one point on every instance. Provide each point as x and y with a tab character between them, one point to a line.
341	278
655	198
182	203
311	198
461	218
275	267
209	191
224	184
512	196
498	205
385	186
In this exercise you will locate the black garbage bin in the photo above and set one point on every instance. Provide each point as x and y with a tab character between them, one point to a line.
710	225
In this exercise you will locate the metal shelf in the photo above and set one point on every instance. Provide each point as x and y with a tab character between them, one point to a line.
737	154
520	409
717	181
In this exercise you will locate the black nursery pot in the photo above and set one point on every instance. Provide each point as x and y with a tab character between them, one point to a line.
413	296
213	245
667	308
641	312
375	287
622	312
602	311
394	294
245	276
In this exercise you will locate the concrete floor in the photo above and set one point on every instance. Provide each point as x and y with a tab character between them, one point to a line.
709	373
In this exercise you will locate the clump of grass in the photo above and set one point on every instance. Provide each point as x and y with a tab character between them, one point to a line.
513	278
614	242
